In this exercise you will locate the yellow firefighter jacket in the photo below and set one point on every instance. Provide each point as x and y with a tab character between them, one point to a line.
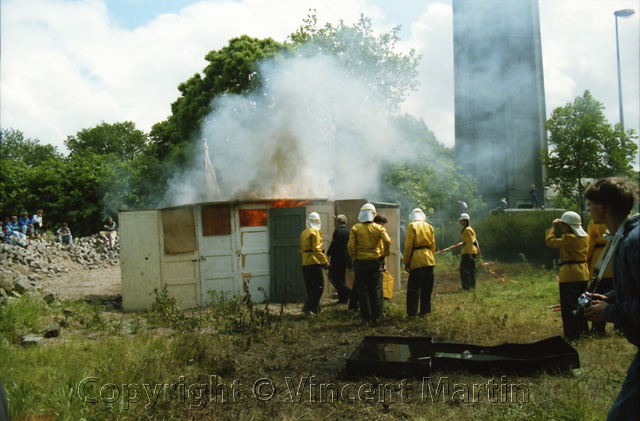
420	246
573	255
365	241
469	240
311	248
596	246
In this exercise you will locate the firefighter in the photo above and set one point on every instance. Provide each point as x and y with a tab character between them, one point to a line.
364	249
313	261
418	259
574	273
468	253
597	241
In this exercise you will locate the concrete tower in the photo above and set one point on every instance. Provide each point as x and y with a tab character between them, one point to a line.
499	97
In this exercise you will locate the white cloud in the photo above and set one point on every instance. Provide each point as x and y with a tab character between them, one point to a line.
66	66
432	37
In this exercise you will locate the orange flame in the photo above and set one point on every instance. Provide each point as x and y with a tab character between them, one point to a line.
288	203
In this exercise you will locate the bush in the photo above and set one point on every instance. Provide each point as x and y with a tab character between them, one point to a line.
506	237
509	237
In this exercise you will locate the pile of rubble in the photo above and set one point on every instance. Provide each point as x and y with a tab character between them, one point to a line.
43	258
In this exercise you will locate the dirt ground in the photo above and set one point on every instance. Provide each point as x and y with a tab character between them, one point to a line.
79	283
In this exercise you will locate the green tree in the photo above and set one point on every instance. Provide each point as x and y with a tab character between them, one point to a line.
584	146
120	139
365	56
231	70
15	147
430	180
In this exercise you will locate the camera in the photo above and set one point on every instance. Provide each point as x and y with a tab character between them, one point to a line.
584	301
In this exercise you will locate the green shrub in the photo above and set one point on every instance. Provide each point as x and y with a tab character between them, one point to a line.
510	237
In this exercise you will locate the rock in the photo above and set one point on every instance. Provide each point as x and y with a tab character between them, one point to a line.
31	340
52	331
49	297
15	294
6	281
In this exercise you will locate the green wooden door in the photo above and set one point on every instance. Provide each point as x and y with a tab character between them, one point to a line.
285	227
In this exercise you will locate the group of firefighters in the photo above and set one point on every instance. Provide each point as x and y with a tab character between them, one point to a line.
608	254
364	248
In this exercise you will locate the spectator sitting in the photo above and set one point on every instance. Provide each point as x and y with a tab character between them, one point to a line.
14	227
6	221
26	226
110	230
502	204
64	233
37	222
10	237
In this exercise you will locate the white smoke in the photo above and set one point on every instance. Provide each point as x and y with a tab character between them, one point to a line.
313	131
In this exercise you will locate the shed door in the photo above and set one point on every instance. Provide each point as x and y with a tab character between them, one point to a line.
286	264
218	263
179	261
252	243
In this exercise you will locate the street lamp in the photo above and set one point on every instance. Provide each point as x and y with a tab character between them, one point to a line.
623	14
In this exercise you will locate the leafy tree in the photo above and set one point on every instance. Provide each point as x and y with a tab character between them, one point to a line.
120	139
231	70
14	147
430	180
390	75
585	147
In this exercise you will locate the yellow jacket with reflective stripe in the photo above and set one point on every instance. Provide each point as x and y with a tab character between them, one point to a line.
365	241
596	246
311	248
419	234
572	248
468	238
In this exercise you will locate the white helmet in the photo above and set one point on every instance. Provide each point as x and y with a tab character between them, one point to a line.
417	215
464	216
314	221
573	220
367	213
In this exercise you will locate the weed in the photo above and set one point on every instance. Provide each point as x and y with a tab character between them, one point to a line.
166	311
21	316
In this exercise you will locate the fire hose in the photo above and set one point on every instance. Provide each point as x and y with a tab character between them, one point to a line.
449	248
501	277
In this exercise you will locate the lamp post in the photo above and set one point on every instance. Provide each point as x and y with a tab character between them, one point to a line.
623	14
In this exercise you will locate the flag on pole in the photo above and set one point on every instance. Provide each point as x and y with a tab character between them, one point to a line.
209	174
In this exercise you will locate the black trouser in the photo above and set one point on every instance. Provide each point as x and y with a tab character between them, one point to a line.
605	285
419	288
368	282
314	281
337	276
468	270
569	292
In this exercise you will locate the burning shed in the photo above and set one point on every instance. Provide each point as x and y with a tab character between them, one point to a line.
216	246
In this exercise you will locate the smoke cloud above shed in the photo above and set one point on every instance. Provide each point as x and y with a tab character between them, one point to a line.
313	130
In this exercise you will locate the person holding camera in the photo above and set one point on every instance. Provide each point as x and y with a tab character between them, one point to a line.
574	273
610	202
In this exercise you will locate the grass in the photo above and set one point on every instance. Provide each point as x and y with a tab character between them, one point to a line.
226	361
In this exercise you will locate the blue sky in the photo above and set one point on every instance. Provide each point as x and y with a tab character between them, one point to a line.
130	14
67	65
